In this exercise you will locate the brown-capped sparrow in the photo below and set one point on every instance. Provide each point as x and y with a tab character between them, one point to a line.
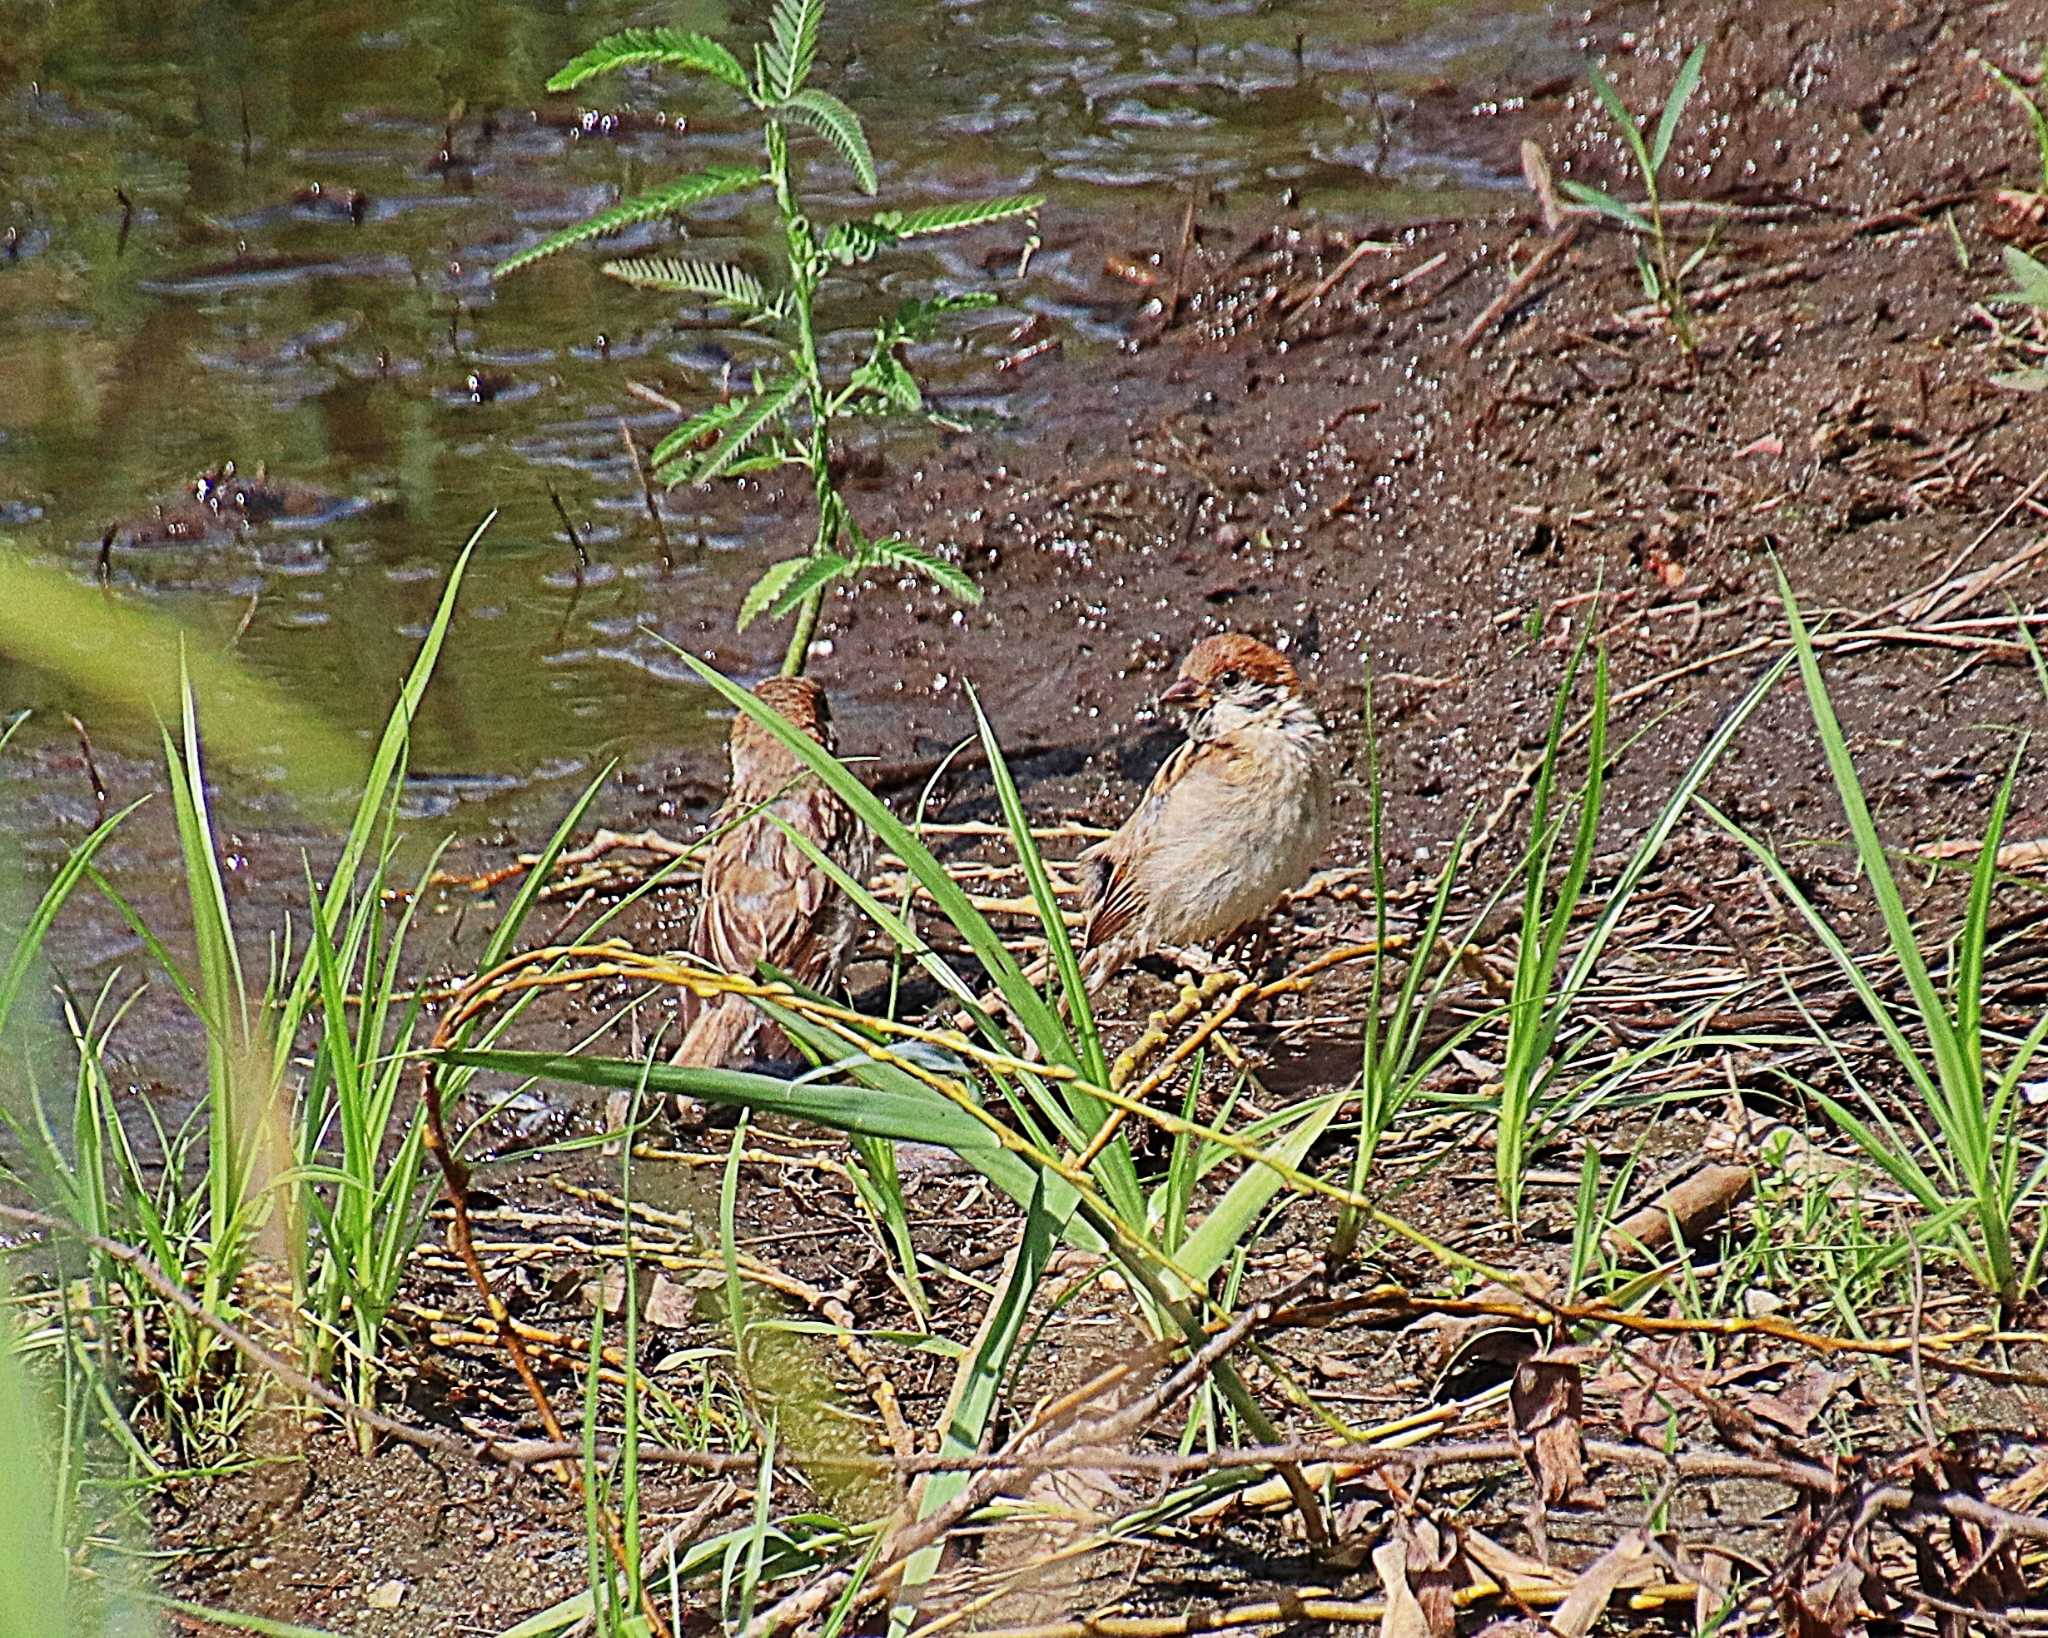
1235	818
762	899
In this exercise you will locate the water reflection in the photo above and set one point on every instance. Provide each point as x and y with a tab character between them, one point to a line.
265	232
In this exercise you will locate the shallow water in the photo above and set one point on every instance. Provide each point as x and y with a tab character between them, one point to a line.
264	233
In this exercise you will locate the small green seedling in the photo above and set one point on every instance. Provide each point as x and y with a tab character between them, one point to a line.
2028	97
2030	289
1663	282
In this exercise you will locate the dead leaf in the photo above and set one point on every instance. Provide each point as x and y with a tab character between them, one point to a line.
1536	172
1804	1396
670	1304
1548	1402
1628	1563
1710	1573
1517	1572
2012	856
1403	1617
1830	1606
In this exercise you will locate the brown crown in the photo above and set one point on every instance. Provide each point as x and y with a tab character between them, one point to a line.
1257	662
801	703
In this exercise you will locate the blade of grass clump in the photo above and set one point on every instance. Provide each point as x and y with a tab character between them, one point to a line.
1037	1102
1228	1225
1870	851
1023	999
239	1109
1674	807
1052	921
1619	898
1976	1134
976	1395
379	782
1537	1009
880	1187
921	1116
891	921
1114	1167
28	942
1624	121
1387	1071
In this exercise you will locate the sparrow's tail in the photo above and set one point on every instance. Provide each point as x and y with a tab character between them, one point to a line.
718	1034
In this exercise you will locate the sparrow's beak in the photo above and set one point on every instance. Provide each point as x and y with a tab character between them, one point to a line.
1186	691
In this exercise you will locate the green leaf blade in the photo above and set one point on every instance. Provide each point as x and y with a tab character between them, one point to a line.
840	126
955	218
1606	204
745	427
720	282
791	48
1682	88
651	48
818	570
668	200
949	577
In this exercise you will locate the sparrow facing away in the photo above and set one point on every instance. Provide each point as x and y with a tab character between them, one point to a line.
762	899
1236	817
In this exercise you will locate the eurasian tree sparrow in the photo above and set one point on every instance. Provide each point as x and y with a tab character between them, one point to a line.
762	899
1236	817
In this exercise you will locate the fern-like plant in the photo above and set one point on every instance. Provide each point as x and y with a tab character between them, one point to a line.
788	417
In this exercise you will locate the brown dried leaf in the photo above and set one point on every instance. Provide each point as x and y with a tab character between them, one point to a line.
1403	1617
1628	1563
1804	1396
1516	1571
1437	1570
1829	1606
1547	1399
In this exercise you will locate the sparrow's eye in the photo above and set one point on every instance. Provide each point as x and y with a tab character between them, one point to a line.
1229	681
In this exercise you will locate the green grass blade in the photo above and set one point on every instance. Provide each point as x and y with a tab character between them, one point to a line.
1606	204
1954	1075
1624	121
1682	88
952	902
977	1385
1845	959
1091	1060
28	942
1969	977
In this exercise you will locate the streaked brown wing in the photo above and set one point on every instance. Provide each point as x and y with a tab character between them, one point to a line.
1106	867
763	900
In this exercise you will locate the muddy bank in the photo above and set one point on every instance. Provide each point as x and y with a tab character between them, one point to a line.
1359	453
